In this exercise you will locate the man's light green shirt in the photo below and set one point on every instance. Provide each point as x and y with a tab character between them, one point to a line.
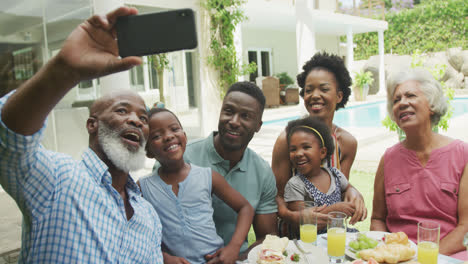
252	177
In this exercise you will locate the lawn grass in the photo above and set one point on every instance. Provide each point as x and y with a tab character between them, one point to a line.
364	182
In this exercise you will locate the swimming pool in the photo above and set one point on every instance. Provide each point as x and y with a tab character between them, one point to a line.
369	115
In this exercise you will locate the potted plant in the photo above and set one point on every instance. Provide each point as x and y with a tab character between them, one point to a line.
284	80
362	80
289	93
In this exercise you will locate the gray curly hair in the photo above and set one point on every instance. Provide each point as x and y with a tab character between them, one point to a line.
430	87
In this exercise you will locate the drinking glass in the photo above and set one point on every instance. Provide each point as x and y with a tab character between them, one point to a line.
336	236
428	242
308	223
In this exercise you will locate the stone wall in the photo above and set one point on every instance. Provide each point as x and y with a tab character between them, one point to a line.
455	60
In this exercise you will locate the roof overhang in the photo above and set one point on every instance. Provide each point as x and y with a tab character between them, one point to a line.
281	15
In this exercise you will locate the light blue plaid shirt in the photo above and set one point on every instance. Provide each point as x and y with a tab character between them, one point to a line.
71	212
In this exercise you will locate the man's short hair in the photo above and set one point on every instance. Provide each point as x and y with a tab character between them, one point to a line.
250	89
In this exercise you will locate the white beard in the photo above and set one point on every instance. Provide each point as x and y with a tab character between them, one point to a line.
115	150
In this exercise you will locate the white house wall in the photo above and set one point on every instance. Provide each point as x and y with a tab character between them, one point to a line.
281	43
330	44
326	5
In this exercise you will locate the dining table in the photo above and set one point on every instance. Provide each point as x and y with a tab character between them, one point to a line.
442	259
318	253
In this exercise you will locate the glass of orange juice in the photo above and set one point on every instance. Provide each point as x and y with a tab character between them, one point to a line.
336	236
428	242
308	223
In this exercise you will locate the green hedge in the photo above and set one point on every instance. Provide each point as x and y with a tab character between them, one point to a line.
434	25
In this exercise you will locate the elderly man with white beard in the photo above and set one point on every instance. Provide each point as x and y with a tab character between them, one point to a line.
87	211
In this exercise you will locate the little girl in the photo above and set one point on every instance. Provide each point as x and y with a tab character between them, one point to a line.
181	194
310	143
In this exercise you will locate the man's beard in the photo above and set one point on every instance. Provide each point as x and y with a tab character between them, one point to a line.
115	150
233	146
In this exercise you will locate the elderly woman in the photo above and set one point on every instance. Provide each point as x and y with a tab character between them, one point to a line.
325	84
423	176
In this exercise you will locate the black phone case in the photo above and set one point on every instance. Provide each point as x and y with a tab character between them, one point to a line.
153	33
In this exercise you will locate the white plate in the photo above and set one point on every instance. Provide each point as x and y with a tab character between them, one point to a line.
377	235
318	255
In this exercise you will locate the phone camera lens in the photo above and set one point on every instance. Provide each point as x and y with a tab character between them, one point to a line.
183	14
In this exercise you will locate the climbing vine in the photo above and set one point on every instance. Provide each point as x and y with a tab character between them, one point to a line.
225	15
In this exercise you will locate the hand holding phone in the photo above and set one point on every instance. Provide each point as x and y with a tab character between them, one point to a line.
153	33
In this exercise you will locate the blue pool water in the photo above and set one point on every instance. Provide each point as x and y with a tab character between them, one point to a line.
369	115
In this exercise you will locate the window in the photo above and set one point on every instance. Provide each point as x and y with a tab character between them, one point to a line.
261	57
136	78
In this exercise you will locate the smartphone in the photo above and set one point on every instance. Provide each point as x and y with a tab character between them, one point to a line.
153	33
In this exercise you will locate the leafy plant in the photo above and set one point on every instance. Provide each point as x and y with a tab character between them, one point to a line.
362	78
432	25
284	78
225	15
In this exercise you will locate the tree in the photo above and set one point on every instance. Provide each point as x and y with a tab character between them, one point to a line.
160	62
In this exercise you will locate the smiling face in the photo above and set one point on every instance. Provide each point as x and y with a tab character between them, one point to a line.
119	123
127	115
167	139
305	152
410	106
321	94
240	118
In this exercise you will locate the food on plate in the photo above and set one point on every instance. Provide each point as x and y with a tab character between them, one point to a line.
270	256
295	257
272	249
360	261
275	243
397	238
363	242
388	253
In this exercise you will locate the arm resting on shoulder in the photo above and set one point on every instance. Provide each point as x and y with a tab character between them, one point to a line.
379	205
453	242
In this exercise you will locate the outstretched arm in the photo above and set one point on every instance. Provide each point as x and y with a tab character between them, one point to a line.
245	213
90	51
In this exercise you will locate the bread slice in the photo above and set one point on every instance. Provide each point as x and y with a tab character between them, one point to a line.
275	243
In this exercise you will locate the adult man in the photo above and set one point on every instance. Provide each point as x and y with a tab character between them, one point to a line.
226	152
87	211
